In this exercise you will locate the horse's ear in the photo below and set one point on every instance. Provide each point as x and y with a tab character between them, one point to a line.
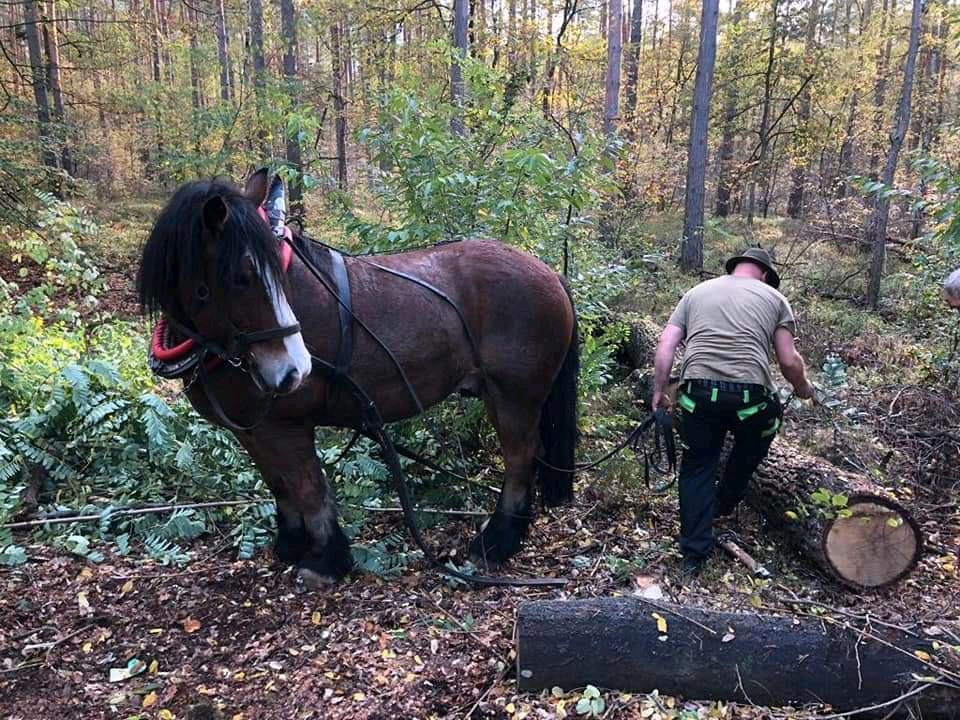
257	186
215	214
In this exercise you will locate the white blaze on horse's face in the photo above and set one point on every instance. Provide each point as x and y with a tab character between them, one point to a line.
283	371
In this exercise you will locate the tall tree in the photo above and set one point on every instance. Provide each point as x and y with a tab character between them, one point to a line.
845	163
633	59
339	103
291	52
725	174
223	54
611	102
460	17
38	80
691	251
56	89
259	73
799	174
877	229
763	132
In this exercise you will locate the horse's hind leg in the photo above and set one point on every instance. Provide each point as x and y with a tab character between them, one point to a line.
308	533
518	432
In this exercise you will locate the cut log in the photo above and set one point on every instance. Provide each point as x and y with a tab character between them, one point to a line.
709	655
852	528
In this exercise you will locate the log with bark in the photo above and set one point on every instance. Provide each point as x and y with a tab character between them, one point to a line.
847	525
704	654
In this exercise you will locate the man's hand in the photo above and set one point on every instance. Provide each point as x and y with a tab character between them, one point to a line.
806	391
661	400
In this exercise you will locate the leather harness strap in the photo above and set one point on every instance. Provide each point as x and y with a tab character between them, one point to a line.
341	282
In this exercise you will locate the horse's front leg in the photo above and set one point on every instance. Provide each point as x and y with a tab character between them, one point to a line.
308	533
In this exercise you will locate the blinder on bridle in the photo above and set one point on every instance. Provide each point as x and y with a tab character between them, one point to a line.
239	343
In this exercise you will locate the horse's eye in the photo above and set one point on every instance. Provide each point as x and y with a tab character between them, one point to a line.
203	293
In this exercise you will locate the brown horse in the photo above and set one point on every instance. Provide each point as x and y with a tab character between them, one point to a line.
215	271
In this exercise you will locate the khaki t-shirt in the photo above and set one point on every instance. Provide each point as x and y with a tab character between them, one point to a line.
728	325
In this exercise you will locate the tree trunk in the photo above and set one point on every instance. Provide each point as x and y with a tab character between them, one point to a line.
339	104
877	230
799	174
880	85
291	77
725	178
611	103
763	132
39	80
460	8
691	253
259	74
845	161
56	89
633	59
803	497
625	643
223	54
196	91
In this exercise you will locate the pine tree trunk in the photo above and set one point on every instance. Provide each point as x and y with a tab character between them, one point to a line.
259	74
725	178
39	79
691	254
223	54
877	230
339	104
460	8
633	60
751	658
799	174
872	543
196	91
56	89
291	77
611	104
764	130
845	161
880	86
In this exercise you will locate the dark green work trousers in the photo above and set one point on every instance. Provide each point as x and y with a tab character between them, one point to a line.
711	409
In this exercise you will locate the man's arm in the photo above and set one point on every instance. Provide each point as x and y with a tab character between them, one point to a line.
670	338
791	363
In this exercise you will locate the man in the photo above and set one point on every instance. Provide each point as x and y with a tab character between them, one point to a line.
951	290
728	325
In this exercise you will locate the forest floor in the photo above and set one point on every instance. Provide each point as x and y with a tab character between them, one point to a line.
221	638
229	639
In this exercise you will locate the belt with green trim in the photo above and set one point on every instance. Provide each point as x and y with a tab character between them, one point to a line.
725	386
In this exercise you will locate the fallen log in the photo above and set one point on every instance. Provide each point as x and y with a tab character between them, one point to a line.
708	655
850	527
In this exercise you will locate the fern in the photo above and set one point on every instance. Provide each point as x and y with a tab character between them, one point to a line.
165	550
78	383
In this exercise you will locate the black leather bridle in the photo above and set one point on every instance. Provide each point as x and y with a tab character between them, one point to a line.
236	354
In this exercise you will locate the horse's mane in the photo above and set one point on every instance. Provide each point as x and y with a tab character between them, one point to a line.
175	245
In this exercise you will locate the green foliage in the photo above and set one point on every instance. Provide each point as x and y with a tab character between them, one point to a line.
512	175
64	280
591	703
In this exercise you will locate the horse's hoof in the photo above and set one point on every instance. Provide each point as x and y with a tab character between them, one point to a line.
311	581
485	553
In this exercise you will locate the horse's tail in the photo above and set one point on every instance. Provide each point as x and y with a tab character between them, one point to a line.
558	425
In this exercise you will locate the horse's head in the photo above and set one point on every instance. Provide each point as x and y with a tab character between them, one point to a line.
212	265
